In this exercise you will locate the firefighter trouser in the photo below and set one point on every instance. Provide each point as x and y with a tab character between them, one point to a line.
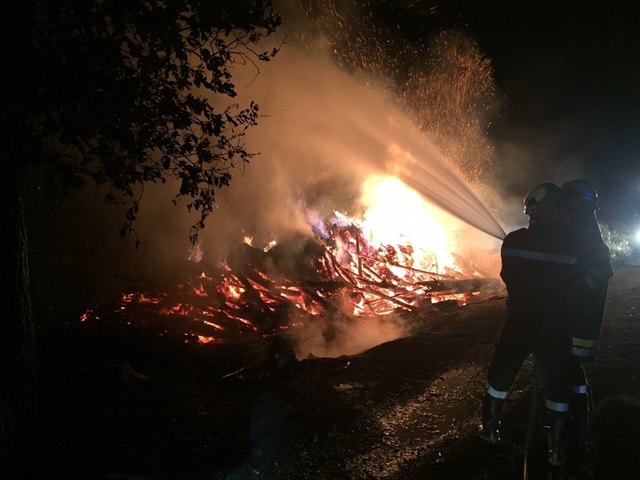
578	377
518	339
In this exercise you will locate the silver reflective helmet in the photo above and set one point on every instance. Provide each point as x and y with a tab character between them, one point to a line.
542	199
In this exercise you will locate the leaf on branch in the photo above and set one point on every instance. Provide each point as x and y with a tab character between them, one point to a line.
130	115
231	120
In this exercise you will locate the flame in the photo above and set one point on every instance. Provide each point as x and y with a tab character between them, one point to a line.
397	215
232	288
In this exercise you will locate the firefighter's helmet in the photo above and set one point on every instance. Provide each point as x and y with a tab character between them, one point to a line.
542	200
581	192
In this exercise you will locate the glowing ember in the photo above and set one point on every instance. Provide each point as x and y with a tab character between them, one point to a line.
203	339
232	288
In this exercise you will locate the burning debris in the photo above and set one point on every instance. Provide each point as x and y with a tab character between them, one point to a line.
347	284
338	274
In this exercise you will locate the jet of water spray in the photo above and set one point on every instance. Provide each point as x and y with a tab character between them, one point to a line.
409	155
440	185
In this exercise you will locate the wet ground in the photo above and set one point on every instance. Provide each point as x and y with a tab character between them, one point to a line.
406	409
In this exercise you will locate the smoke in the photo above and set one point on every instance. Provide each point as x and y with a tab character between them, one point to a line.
327	126
331	119
326	130
536	156
333	337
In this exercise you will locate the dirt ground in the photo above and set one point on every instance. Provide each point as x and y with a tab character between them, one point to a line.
406	409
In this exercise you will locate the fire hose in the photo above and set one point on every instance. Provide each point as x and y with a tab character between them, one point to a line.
531	425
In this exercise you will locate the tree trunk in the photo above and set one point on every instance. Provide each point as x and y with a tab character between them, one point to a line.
18	413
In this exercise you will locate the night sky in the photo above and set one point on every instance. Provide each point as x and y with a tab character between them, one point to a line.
569	75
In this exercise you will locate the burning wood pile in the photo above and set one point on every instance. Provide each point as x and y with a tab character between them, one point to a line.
336	274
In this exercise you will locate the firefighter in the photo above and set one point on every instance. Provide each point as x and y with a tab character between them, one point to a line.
588	299
538	268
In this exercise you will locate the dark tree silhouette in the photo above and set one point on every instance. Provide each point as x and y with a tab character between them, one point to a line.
117	93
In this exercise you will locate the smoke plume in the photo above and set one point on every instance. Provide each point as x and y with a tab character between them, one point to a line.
331	119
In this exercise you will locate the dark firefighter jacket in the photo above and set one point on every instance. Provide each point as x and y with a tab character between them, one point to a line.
590	292
539	271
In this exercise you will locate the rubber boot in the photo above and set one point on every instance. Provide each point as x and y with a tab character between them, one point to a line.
491	419
557	439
